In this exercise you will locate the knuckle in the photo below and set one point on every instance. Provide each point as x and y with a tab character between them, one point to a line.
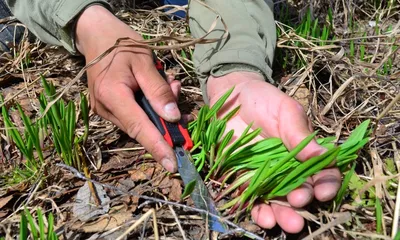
294	104
161	91
102	93
134	129
155	149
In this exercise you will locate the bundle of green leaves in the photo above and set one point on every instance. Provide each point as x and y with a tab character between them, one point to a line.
266	168
37	229
59	125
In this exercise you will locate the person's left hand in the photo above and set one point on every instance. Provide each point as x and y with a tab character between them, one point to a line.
279	116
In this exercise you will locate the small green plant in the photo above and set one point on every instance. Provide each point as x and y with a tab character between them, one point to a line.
29	227
267	167
58	125
27	142
62	120
314	30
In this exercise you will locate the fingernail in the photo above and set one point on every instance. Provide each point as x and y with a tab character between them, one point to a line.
172	111
168	164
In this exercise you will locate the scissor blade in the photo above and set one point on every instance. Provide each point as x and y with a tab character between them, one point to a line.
200	195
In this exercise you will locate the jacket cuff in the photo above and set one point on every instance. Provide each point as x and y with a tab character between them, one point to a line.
65	16
250	43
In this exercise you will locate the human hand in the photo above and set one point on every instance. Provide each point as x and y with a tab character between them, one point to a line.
279	116
114	80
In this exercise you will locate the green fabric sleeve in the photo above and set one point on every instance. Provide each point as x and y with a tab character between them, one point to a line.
251	42
52	21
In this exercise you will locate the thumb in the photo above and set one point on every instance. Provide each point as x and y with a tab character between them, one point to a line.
294	127
158	92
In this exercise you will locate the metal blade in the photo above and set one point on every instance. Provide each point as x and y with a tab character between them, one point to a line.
200	195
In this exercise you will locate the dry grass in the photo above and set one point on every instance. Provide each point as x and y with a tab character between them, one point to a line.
337	90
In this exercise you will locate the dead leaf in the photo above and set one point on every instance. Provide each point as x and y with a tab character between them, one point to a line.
165	185
84	209
145	172
104	224
302	95
5	200
250	226
118	162
138	175
285	78
3	214
176	190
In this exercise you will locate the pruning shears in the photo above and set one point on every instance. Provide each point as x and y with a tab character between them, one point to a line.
177	136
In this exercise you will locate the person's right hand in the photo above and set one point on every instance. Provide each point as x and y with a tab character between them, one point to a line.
114	80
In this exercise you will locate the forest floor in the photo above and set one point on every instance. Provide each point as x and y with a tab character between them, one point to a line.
339	59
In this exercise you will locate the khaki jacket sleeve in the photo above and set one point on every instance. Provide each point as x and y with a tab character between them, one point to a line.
251	42
52	21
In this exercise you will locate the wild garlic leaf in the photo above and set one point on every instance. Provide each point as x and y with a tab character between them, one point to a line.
221	131
258	177
218	105
225	142
305	170
239	181
285	190
269	145
360	144
344	187
32	131
40	218
231	113
326	140
357	135
189	188
23	226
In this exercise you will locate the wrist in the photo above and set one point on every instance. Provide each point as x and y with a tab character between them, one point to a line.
217	86
92	27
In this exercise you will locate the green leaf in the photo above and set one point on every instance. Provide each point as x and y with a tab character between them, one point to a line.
378	215
200	122
189	188
259	176
231	113
397	237
303	171
344	187
225	142
41	224
218	105
70	118
357	135
23	228
50	228
32	224
270	145
33	133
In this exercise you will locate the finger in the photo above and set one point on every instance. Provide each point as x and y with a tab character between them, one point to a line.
294	127
157	91
327	184
176	88
287	218
187	118
301	196
104	113
263	216
170	73
137	125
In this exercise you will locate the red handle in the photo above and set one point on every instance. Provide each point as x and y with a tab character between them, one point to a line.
174	133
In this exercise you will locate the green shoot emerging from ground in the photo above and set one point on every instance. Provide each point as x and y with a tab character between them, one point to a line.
267	167
37	229
57	126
